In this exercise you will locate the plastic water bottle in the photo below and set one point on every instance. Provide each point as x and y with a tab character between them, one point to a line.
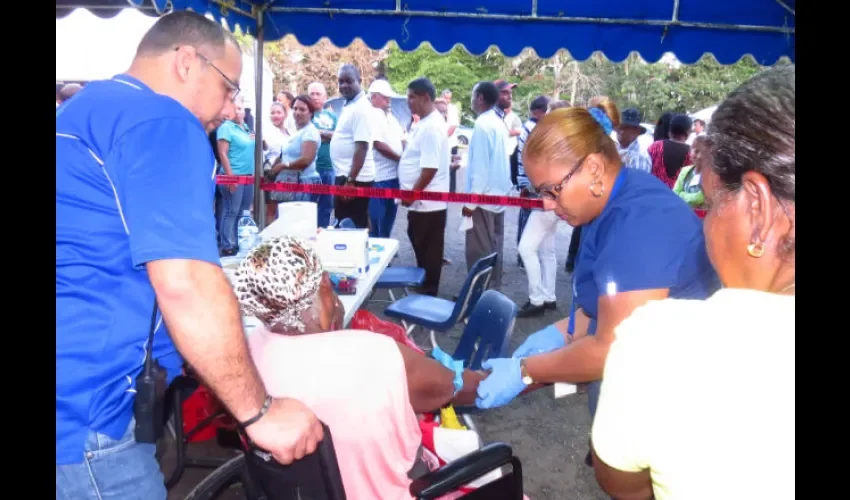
247	233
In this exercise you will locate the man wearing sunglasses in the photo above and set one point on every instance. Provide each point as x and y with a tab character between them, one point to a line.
136	252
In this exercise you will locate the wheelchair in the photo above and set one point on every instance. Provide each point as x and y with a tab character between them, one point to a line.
248	475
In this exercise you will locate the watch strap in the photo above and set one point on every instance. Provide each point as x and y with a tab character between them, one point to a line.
263	410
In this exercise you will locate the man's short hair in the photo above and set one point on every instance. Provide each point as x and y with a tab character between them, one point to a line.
446	92
352	68
488	91
700	121
423	86
68	91
185	28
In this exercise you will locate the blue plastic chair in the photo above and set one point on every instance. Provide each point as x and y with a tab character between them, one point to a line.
438	314
346	224
403	277
488	330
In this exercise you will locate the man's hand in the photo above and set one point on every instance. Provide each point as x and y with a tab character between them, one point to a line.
406	203
348	183
466	212
232	188
289	431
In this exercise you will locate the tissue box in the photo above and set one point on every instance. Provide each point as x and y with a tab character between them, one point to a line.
344	250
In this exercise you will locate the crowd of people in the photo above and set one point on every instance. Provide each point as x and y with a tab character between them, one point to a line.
670	315
366	146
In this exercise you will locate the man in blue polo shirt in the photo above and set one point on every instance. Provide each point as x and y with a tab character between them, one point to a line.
134	227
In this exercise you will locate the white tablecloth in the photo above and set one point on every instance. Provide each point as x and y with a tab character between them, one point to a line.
381	252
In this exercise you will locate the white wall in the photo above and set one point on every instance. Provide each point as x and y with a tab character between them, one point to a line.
91	48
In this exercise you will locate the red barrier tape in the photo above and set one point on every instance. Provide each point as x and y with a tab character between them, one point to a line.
361	192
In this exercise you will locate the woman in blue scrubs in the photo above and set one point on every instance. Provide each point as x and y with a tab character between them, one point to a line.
639	242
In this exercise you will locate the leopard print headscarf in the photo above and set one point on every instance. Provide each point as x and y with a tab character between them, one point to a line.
278	280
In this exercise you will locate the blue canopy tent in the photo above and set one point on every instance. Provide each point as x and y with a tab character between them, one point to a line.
728	29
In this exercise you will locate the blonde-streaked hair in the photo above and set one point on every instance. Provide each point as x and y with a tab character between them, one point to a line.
567	135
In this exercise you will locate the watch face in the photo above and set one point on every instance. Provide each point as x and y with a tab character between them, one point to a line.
527	380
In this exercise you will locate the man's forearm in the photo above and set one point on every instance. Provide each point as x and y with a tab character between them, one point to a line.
360	150
205	323
582	360
425	178
387	151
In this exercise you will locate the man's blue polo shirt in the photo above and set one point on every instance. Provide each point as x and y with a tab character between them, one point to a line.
134	184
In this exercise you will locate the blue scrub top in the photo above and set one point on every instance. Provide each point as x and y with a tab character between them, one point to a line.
134	184
645	238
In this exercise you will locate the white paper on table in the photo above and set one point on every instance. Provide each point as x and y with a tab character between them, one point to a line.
564	389
465	224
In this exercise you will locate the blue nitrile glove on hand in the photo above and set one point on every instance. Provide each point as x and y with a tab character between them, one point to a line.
502	385
545	340
450	363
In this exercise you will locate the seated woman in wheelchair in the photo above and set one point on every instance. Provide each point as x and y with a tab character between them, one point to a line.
365	386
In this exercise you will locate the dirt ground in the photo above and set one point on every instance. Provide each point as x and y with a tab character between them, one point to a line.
549	435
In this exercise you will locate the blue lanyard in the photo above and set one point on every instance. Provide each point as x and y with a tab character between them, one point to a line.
614	189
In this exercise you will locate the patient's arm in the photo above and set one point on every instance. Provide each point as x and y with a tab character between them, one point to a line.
430	386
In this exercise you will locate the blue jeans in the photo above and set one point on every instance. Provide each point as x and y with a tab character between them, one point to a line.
524	213
593	389
112	469
232	206
382	211
326	201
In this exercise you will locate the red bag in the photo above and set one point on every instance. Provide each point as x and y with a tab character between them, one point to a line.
199	406
364	320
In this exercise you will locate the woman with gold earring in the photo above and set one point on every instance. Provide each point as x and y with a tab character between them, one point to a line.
640	242
680	403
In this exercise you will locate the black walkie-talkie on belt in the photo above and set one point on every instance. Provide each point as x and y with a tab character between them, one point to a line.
149	408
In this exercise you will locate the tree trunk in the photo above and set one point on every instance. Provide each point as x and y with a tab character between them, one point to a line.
575	83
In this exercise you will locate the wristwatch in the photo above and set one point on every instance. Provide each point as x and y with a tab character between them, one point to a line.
523	370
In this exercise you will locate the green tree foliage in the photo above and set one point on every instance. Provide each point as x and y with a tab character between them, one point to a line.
655	88
457	70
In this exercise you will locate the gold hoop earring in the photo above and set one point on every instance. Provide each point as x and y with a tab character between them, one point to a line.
755	250
601	188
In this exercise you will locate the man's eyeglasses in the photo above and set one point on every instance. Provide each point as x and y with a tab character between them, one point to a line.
234	87
552	192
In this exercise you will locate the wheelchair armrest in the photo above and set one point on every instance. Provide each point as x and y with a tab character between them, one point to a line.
462	471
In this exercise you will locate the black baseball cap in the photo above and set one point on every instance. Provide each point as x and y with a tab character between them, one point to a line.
631	117
540	103
503	85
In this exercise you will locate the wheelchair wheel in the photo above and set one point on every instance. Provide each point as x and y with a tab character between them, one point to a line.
229	482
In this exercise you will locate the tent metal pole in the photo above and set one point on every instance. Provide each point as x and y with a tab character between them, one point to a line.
259	200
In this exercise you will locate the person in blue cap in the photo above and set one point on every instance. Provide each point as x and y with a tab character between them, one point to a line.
640	242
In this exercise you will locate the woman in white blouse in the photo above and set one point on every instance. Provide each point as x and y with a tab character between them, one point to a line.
274	141
698	399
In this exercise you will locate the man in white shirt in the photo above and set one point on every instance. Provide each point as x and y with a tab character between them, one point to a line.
513	122
699	129
452	116
424	166
488	171
351	147
387	140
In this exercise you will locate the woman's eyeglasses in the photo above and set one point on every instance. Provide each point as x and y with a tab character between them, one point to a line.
552	192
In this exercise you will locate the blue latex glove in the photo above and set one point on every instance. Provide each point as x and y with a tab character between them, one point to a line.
502	385
452	364
545	340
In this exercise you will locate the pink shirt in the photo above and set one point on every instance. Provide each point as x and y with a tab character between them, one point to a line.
355	382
